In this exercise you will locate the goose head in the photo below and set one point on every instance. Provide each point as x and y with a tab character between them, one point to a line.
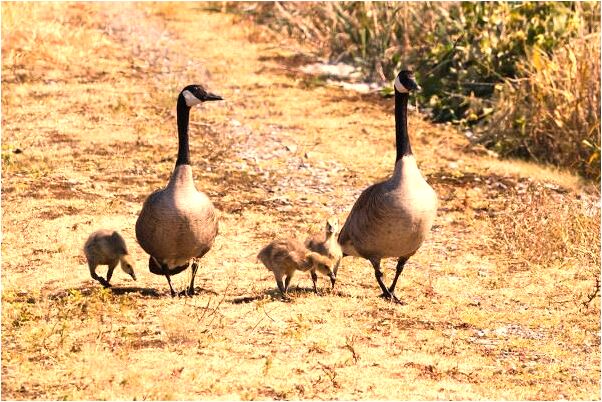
405	82
196	94
332	226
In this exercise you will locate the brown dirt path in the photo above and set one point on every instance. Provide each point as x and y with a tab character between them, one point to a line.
280	155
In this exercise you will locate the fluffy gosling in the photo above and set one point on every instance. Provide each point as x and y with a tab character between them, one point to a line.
285	256
327	245
107	247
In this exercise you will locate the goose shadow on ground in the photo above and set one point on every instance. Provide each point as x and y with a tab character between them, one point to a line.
135	289
322	291
90	289
197	292
274	294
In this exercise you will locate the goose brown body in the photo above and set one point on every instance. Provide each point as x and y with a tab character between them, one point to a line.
177	223
391	218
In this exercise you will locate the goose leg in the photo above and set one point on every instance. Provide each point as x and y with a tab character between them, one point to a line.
379	278
400	264
314	279
195	267
173	293
379	275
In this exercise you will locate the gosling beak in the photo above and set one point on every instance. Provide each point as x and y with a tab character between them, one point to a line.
333	280
211	97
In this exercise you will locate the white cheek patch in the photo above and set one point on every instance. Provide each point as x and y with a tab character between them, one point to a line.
191	100
399	86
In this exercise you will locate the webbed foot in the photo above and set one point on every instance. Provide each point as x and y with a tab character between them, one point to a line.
391	297
187	292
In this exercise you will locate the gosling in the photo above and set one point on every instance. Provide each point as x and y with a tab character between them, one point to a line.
107	247
327	245
285	256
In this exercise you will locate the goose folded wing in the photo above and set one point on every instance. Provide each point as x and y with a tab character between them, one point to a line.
365	212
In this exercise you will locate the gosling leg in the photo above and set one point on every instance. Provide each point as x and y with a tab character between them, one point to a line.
111	269
287	282
336	267
283	287
280	284
94	276
314	279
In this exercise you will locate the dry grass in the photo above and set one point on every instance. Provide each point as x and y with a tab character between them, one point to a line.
562	178
66	41
536	226
375	35
485	318
379	38
564	129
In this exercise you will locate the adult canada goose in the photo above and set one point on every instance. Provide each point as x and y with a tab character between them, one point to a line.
393	217
178	223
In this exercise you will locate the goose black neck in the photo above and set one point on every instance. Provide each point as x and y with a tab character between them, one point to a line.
183	117
402	139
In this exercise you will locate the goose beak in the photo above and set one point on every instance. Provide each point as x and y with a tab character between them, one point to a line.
333	280
211	97
133	276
